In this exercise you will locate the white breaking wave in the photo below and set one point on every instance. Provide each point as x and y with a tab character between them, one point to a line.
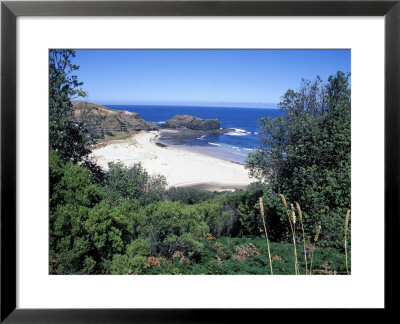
214	144
201	137
159	122
238	132
236	148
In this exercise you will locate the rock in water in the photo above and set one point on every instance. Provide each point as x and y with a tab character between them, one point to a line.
193	123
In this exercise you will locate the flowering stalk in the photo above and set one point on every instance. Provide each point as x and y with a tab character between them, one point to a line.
346	228
291	228
302	228
315	241
296	262
266	233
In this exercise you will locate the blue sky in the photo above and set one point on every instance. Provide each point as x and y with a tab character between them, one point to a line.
256	78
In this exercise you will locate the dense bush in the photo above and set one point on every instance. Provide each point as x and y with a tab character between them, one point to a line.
134	182
89	233
190	196
86	230
135	259
72	196
306	155
172	227
224	235
236	213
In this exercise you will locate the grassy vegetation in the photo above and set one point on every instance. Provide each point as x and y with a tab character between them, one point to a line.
115	138
247	255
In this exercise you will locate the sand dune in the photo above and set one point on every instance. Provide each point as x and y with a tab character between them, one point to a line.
181	167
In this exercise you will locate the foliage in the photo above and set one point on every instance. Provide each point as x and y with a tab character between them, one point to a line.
72	184
186	195
91	235
134	261
68	138
107	229
172	227
133	183
235	214
72	195
306	154
247	255
111	134
99	175
85	230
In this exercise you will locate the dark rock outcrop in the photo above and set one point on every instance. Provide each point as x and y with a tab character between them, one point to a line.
101	120
193	123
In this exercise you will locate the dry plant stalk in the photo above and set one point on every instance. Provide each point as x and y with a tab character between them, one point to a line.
291	217
302	229
346	228
296	262
266	233
287	211
315	241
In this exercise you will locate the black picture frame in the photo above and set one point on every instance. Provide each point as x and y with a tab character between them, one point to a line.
10	10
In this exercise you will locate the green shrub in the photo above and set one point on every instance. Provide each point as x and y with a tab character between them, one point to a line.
109	133
172	227
134	261
133	183
235	214
85	229
72	195
189	195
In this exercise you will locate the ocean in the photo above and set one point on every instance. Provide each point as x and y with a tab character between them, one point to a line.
232	146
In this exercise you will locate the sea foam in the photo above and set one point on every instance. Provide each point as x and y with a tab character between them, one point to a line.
238	132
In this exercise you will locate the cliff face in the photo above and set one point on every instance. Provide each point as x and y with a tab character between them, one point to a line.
101	120
193	123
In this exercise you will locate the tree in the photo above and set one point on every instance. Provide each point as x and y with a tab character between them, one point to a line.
68	138
129	183
85	230
306	153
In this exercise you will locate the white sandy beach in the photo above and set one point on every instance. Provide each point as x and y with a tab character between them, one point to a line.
181	167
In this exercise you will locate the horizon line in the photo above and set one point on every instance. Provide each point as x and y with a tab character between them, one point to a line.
196	104
185	103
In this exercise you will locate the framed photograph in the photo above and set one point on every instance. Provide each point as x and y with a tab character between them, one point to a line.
164	158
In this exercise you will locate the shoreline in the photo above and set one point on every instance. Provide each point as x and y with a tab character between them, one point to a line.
181	166
177	138
209	151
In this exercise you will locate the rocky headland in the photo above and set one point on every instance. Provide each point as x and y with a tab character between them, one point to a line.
102	121
105	123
